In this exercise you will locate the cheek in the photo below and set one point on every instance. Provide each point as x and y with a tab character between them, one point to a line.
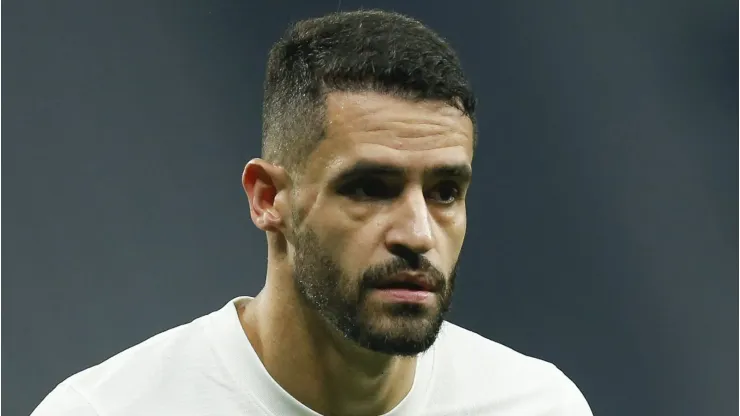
348	222
355	213
357	245
454	225
346	231
461	226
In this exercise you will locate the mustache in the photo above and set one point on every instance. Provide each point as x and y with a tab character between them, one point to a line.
384	274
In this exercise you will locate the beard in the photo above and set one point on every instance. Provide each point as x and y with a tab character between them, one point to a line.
343	301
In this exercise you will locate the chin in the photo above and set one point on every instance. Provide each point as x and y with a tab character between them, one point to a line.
406	334
399	344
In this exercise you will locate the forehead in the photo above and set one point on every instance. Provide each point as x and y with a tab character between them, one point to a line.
375	127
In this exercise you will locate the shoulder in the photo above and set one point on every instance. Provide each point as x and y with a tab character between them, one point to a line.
133	374
466	354
64	400
477	370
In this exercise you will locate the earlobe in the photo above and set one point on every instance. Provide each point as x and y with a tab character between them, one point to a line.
262	182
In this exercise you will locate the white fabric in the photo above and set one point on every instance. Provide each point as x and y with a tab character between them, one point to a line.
208	367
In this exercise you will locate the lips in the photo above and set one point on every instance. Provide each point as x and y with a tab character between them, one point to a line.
406	281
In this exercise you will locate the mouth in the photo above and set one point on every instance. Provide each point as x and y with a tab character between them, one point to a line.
405	285
404	294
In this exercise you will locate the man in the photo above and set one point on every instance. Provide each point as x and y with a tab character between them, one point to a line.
368	138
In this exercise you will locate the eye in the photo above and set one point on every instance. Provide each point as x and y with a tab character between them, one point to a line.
445	192
367	188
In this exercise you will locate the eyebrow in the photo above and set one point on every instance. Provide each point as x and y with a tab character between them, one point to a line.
461	171
363	168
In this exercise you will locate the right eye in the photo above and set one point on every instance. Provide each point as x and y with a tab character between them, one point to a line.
367	189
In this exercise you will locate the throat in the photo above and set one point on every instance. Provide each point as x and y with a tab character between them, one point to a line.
320	368
369	390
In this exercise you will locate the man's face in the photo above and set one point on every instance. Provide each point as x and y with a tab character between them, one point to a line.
379	219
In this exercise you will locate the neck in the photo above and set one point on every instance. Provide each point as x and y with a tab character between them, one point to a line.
317	365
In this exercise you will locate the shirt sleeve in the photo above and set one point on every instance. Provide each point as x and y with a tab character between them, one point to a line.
64	401
573	403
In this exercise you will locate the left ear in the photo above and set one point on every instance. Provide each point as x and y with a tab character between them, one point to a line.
265	184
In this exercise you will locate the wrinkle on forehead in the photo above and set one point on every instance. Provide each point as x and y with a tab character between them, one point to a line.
368	123
385	119
413	142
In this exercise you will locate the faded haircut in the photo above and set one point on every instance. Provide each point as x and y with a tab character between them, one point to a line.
367	50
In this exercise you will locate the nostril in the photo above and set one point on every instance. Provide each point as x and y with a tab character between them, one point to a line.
411	257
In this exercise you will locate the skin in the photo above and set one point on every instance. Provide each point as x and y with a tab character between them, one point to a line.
383	193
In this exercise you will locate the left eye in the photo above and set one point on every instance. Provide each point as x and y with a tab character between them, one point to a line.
445	193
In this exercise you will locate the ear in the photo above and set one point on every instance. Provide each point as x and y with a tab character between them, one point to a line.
263	182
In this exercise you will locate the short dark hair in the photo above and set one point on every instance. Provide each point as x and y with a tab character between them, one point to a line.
367	50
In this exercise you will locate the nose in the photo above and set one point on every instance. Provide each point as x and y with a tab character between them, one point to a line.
411	228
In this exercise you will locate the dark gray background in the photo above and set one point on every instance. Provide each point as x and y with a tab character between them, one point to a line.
603	215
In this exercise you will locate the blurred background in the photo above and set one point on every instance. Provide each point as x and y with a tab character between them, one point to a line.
603	215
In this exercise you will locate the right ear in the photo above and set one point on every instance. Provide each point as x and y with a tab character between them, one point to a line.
263	182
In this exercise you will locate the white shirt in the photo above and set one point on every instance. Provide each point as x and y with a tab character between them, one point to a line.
208	367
